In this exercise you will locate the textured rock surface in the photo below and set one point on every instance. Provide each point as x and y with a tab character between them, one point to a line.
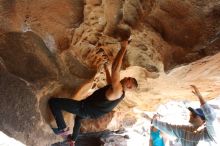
20	113
57	48
26	56
175	85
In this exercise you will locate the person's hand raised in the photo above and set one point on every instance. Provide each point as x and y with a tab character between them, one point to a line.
195	91
146	116
156	116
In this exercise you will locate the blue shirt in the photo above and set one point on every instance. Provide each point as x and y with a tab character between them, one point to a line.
156	138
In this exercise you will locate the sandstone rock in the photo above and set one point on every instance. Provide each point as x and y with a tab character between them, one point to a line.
183	24
56	48
20	117
26	56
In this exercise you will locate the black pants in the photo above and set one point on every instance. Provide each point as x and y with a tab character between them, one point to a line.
69	105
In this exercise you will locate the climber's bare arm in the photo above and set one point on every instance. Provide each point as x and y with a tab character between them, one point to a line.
107	73
116	67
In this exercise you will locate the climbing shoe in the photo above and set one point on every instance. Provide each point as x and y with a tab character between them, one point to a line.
61	132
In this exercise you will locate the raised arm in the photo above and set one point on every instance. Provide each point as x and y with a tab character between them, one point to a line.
174	130
107	73
209	112
116	67
210	115
196	92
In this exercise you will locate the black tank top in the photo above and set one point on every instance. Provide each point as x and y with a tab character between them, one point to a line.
98	100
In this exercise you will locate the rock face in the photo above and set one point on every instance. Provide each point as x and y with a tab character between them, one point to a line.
175	85
32	61
20	112
57	48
